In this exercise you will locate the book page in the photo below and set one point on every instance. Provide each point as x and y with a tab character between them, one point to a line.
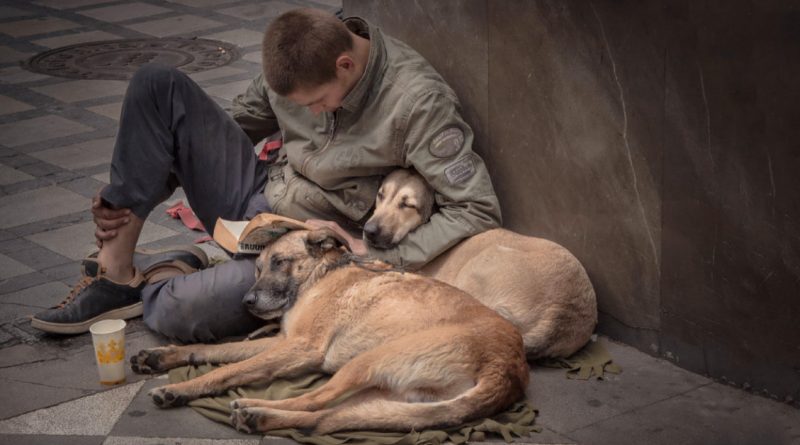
234	227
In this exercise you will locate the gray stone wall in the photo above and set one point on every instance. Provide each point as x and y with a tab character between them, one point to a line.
659	141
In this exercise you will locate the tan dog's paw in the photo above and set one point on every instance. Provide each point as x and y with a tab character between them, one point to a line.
164	398
149	361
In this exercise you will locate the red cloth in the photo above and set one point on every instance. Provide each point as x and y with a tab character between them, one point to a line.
186	215
268	148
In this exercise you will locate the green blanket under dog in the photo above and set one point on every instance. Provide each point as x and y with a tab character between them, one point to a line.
517	421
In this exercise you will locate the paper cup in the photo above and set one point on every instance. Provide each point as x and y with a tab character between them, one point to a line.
108	337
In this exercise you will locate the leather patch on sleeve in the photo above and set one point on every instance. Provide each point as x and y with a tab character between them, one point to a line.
460	170
447	143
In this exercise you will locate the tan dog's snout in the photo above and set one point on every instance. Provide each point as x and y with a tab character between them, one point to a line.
376	235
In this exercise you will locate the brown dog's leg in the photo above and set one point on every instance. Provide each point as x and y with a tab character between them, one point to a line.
255	418
374	410
352	378
284	359
251	420
148	361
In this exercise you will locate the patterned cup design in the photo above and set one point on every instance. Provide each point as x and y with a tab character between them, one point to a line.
108	337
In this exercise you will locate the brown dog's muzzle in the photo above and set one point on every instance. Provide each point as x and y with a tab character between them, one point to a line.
260	303
250	299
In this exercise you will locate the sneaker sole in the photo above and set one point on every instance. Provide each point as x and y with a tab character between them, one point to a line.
124	313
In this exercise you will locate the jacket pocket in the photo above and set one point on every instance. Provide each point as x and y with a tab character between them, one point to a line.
275	190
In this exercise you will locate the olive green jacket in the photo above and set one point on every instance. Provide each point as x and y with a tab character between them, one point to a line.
401	113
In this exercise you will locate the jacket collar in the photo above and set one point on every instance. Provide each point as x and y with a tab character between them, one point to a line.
356	98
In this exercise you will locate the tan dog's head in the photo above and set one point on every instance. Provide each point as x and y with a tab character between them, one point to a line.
404	202
285	266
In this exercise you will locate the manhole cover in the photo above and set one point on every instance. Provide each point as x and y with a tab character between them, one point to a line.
119	59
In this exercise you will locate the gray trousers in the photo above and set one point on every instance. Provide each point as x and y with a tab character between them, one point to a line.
172	134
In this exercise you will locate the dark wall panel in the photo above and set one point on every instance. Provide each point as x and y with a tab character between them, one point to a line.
657	140
575	133
731	286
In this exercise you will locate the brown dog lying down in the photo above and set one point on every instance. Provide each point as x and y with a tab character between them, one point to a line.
406	352
538	285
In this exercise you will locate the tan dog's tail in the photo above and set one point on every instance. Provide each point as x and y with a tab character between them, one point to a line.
497	388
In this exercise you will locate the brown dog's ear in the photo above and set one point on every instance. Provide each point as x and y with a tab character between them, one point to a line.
321	240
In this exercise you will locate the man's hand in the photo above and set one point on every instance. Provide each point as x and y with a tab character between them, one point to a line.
108	220
356	245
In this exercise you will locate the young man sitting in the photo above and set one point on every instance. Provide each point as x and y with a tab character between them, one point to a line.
351	105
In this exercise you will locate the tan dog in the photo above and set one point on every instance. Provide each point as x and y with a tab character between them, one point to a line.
407	352
538	285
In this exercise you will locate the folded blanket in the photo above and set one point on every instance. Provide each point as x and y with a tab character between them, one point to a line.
517	421
592	360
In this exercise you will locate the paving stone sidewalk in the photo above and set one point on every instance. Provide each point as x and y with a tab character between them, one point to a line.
56	139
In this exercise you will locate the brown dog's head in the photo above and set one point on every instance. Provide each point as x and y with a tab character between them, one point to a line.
404	202
285	266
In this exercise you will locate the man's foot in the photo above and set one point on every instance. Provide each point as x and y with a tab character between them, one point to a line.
159	264
93	299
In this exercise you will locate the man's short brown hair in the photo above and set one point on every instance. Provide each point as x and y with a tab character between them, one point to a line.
300	49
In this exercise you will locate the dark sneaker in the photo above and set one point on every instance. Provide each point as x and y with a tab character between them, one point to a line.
93	299
159	264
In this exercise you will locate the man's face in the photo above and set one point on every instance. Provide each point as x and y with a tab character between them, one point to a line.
327	97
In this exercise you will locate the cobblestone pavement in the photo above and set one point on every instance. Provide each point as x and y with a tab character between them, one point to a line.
56	139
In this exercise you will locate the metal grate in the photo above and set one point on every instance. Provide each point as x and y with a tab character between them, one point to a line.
119	59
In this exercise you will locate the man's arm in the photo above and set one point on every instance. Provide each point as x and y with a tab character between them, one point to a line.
253	113
438	145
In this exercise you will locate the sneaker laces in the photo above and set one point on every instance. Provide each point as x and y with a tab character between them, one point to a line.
82	284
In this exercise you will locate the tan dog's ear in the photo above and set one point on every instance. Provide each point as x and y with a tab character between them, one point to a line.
321	240
426	203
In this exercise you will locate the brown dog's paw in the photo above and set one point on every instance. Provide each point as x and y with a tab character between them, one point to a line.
164	398
244	420
149	361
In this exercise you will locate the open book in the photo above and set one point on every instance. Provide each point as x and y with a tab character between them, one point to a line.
252	236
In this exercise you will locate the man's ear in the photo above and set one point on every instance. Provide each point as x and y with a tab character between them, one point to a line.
345	62
320	241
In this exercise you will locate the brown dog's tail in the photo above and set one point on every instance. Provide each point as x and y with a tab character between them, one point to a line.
497	388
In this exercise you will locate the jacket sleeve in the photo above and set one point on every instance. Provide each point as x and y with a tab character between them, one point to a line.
252	111
438	144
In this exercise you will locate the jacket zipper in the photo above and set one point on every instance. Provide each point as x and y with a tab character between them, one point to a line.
331	135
